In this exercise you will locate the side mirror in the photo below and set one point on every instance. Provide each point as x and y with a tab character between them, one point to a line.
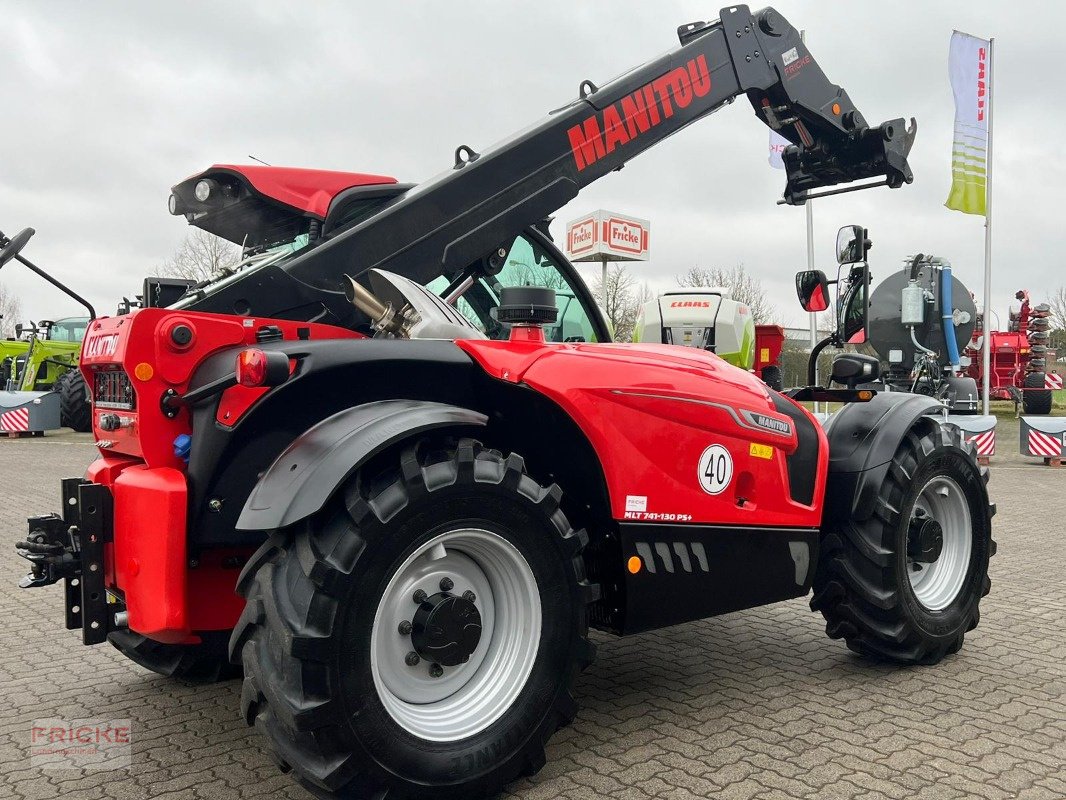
851	244
853	309
18	330
13	246
812	288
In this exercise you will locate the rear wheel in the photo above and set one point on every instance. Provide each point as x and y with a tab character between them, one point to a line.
905	583
75	410
1035	398
206	662
421	637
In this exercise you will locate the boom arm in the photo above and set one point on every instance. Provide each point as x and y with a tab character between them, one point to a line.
457	218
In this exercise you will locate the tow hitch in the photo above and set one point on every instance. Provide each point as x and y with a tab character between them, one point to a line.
71	548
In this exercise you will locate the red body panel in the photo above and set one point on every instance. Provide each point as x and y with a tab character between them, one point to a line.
650	411
149	550
147	562
307	190
143	338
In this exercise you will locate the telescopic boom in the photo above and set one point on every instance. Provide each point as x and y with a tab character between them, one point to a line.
453	220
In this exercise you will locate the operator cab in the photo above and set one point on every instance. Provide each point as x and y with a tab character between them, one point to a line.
271	213
275	213
69	329
530	261
262	208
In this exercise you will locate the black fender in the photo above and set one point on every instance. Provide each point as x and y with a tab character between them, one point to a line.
863	437
317	463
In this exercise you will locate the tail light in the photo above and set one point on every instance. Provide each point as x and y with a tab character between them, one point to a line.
112	389
257	367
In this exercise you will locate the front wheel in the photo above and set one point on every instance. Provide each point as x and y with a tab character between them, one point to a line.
904	583
206	662
75	410
421	637
1035	398
772	377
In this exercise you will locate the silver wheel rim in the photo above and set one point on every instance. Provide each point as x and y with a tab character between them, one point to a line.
937	585
468	697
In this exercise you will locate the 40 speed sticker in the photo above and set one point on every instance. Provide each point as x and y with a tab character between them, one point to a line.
715	469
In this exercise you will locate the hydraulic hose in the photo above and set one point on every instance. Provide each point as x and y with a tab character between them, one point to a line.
920	347
916	263
947	321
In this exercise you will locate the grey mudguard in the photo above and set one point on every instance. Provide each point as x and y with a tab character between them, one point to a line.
308	472
863	437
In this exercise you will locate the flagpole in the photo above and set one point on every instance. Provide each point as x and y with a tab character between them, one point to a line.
810	262
986	339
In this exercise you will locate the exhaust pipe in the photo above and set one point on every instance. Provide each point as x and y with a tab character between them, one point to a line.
360	297
383	317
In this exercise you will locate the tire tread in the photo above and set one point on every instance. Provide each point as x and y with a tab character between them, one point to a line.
290	639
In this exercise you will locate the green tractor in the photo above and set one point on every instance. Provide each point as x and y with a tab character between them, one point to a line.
44	355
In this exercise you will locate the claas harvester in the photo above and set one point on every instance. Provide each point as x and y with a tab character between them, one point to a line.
374	471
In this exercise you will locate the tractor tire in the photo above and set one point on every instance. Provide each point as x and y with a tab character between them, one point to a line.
1035	398
75	410
361	685
874	592
203	663
772	377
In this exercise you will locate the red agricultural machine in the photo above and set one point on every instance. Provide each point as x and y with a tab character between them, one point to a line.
769	340
373	472
1019	357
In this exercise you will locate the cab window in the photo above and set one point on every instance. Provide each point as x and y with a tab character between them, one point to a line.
526	264
68	330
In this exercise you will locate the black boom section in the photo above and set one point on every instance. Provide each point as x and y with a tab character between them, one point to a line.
484	200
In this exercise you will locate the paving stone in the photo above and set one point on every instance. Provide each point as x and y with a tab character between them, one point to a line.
757	705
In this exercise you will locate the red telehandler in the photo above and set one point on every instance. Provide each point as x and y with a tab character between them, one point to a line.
377	464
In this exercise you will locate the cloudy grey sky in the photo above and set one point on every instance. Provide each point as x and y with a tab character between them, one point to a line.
108	104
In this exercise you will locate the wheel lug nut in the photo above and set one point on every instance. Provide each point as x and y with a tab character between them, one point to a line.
435	670
412	659
446	584
420	596
469	596
405	628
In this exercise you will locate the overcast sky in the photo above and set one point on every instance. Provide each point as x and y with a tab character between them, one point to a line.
108	104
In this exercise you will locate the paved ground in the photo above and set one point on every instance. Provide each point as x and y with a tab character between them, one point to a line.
758	704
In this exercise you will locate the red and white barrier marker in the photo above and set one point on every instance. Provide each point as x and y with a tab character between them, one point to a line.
1043	444
984	442
1044	437
980	430
15	421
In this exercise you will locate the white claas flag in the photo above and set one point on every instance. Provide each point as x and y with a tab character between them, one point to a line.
778	143
968	67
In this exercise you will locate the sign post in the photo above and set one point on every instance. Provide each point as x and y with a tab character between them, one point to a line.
607	236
